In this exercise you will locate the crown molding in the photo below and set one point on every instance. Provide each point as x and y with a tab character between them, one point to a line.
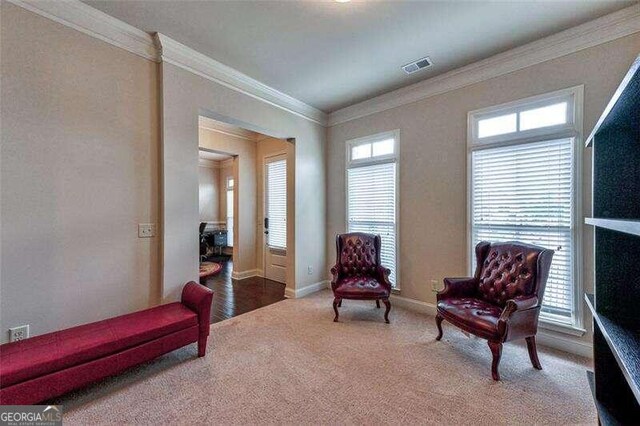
186	58
227	129
84	18
91	21
604	29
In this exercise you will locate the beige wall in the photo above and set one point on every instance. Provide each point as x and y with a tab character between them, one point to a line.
80	153
185	96
269	147
210	192
244	252
84	164
433	159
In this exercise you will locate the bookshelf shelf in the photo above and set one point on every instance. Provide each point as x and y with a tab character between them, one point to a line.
624	343
615	304
620	225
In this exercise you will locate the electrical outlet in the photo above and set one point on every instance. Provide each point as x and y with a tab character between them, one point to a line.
309	270
146	230
19	333
434	286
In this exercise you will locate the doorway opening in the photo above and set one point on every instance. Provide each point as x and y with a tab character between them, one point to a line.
215	184
250	236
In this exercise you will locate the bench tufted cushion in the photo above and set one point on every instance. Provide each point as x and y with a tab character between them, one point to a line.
358	255
48	353
507	272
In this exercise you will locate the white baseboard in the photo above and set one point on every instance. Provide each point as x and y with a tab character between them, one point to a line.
414	305
241	275
546	338
566	344
306	290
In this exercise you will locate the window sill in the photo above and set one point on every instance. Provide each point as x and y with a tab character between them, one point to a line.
559	327
395	291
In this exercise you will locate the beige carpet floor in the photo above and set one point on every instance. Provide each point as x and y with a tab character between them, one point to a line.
289	363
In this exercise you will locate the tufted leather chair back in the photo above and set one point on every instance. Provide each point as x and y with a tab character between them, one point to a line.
508	270
357	254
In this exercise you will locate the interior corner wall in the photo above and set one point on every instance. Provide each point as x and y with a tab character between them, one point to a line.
79	154
185	96
209	192
433	160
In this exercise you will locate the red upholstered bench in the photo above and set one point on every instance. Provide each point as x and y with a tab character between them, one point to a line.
50	365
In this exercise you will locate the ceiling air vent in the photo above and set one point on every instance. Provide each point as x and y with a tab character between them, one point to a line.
418	65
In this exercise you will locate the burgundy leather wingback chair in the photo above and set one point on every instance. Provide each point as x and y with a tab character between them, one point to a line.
501	302
358	273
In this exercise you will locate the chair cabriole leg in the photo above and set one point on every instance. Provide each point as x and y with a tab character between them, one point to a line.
496	351
439	319
533	352
378	303
386	312
336	302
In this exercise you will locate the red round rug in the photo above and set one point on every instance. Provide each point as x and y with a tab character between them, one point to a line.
208	269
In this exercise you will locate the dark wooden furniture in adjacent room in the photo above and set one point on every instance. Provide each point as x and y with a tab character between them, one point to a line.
358	273
502	301
615	306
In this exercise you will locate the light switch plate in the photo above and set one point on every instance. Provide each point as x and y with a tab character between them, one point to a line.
146	230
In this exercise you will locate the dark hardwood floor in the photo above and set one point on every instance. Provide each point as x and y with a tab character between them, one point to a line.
234	297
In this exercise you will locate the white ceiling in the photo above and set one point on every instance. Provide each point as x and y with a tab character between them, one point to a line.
331	55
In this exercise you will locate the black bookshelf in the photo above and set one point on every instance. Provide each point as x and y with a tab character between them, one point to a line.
615	304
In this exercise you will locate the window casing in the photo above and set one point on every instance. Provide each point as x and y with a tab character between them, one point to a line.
372	172
524	184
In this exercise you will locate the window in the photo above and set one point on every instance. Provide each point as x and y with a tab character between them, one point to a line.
230	185
524	173
372	193
276	202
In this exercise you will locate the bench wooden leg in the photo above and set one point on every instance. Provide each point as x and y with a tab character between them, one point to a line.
202	346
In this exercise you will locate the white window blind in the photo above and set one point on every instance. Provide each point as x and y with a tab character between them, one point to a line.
371	207
524	192
277	203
